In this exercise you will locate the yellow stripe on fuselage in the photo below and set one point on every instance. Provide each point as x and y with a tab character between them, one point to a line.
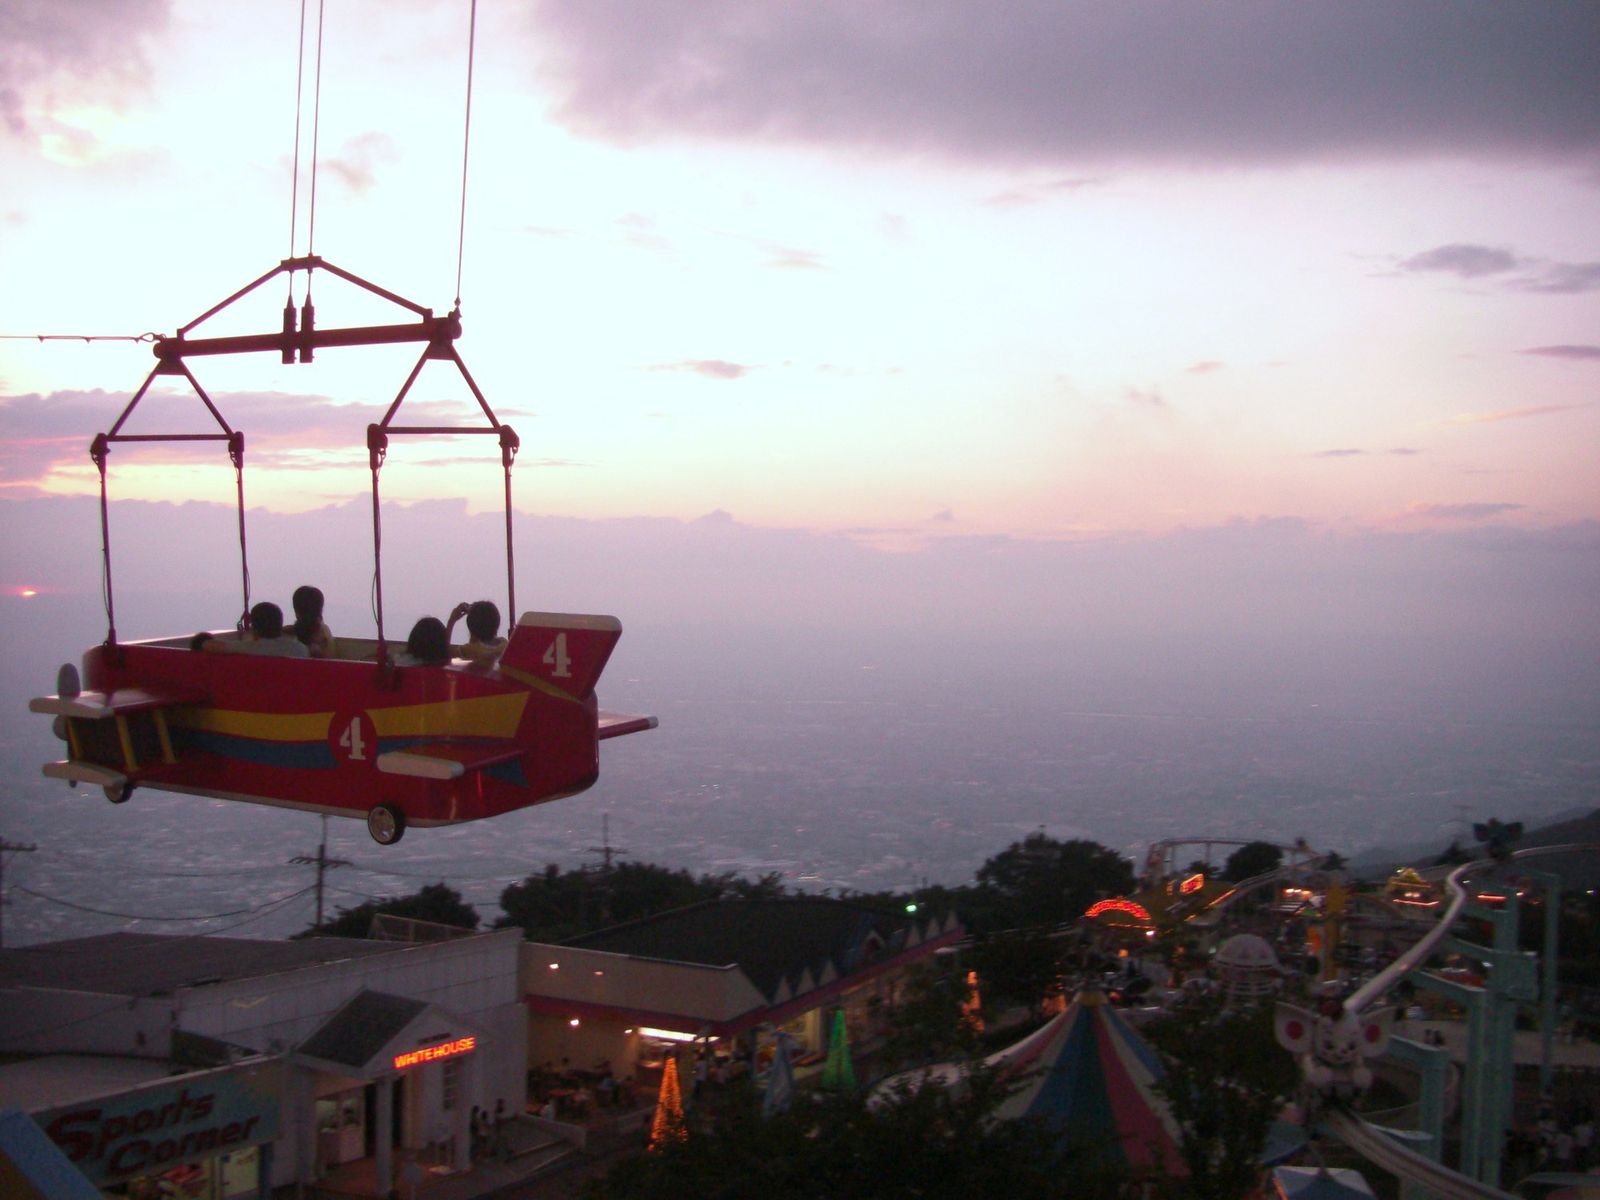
533	681
266	727
484	716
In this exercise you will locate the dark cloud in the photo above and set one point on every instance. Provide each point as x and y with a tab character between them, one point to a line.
1270	585
1574	353
1563	278
1405	451
82	40
1464	260
1461	512
1504	268
1085	82
1341	453
295	432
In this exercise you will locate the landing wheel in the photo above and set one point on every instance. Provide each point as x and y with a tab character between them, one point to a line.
386	824
118	793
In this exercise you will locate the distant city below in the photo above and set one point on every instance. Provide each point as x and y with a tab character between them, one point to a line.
845	764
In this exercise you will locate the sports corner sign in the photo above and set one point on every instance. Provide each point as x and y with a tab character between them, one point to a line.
156	1128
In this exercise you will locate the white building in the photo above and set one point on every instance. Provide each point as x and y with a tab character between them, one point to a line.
241	1065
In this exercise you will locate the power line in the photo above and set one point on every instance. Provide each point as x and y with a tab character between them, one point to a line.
79	337
97	864
323	864
91	945
15	848
105	912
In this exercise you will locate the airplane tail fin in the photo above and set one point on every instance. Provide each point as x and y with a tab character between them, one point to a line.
566	650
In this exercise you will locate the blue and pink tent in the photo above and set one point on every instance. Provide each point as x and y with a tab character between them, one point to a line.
1089	1077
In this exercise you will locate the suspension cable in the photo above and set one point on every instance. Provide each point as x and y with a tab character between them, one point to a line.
316	134
466	145
299	93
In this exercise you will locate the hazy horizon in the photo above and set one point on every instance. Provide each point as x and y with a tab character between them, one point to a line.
1117	419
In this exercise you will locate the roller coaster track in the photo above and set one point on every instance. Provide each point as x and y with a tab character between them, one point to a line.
1384	1152
1367	1139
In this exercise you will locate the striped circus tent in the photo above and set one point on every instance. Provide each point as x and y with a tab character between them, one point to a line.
1090	1078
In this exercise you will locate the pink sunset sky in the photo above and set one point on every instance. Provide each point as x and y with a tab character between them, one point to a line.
951	282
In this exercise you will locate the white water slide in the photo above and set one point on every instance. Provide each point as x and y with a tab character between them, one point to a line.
1367	1139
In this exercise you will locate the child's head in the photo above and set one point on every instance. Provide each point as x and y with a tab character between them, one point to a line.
307	602
266	620
483	620
428	642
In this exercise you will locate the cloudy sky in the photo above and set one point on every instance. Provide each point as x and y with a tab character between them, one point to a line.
916	277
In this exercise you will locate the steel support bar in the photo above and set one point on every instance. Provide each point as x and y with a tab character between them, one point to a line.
1432	1064
1475	1001
429	329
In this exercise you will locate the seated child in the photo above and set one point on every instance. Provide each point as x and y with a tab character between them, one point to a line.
309	627
266	636
484	644
428	645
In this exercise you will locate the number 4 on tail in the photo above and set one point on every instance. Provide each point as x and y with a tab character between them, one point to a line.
556	656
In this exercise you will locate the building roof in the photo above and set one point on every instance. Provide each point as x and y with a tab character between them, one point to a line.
771	941
35	1084
152	964
365	1025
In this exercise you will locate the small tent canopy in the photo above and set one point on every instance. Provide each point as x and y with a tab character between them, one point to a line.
1089	1077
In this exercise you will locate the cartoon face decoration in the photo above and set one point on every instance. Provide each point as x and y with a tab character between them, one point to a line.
1333	1044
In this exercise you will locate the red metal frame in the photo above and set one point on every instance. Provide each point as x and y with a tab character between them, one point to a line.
298	340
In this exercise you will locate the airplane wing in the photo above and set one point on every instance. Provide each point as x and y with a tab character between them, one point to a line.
447	760
616	724
116	706
98	706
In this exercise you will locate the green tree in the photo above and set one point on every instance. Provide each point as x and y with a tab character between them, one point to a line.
1452	855
1018	966
437	903
930	1023
558	905
561	904
1042	881
1250	860
1226	1079
929	1143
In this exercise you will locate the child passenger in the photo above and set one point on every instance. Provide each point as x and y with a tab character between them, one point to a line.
428	645
266	636
309	627
484	644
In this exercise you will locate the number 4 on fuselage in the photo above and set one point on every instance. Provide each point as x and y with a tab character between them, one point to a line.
398	746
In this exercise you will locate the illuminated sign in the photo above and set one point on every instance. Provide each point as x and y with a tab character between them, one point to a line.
1132	908
155	1129
411	1058
672	1035
1192	884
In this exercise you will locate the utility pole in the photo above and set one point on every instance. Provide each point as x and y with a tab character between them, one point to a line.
607	852
322	863
13	847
